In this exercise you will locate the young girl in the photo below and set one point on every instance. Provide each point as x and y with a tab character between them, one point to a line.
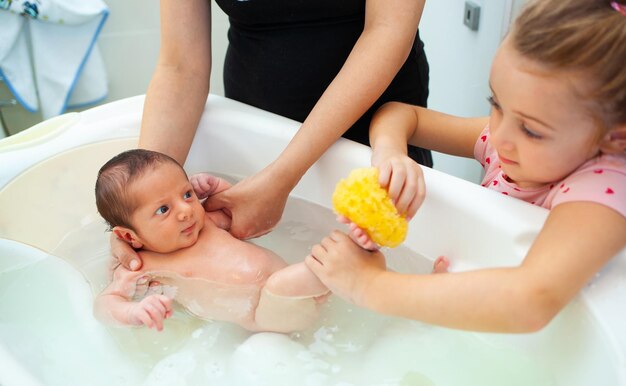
556	137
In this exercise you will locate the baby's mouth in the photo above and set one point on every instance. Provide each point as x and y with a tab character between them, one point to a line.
189	229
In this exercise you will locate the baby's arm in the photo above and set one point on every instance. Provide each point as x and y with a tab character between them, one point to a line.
115	306
206	185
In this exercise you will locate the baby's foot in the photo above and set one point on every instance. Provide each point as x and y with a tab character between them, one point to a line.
441	265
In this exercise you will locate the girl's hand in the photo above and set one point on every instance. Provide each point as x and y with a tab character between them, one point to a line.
358	235
403	179
151	311
344	267
125	254
204	184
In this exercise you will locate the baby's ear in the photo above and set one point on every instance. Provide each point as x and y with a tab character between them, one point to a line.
127	235
614	141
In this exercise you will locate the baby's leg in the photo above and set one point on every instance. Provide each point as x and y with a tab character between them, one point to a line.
289	300
295	280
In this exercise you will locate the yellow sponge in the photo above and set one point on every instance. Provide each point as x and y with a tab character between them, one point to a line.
361	199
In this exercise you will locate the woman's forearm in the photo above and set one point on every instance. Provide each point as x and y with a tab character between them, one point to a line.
376	58
174	104
179	87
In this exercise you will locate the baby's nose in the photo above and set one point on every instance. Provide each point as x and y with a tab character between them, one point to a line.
184	212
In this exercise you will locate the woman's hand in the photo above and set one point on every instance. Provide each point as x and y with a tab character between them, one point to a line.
403	179
125	254
255	205
344	267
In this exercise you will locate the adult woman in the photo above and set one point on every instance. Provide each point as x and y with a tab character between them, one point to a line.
324	62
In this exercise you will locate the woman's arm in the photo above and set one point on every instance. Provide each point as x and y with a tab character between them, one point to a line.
565	256
180	85
384	45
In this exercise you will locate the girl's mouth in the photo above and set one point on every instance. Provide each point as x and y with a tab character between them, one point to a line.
506	160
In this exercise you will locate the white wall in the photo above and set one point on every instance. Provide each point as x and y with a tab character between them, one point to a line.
459	59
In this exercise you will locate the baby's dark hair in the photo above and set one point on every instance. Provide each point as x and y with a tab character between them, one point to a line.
587	37
114	203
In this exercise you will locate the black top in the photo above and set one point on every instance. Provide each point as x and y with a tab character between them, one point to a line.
284	53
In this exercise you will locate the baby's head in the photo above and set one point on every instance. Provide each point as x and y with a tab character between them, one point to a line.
147	200
559	89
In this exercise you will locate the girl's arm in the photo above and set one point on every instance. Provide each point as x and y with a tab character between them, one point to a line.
257	202
396	124
180	85
564	257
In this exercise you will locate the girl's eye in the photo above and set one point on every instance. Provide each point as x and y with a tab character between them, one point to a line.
162	210
493	102
188	195
529	133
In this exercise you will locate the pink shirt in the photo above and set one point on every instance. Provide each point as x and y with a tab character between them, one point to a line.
601	179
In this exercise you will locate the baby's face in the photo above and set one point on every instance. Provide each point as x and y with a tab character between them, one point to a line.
169	215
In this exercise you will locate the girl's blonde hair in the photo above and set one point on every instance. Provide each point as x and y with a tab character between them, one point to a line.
587	37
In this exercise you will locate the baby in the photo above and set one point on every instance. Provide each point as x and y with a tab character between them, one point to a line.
148	201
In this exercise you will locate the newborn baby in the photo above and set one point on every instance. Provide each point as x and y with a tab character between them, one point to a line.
148	201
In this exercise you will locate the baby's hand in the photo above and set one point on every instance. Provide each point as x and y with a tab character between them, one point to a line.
358	235
203	184
403	179
151	311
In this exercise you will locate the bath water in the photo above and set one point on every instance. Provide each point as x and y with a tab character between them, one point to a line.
46	323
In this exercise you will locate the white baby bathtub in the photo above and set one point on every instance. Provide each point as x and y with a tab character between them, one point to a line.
63	154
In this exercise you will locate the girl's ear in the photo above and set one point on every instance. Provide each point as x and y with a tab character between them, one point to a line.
614	142
128	235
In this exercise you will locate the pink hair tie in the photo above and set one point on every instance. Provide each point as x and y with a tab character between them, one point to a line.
621	8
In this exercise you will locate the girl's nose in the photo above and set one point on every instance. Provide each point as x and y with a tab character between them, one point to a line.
502	135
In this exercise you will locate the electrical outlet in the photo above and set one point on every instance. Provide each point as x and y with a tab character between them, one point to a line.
471	15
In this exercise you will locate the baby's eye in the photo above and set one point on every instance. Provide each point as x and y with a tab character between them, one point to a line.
188	194
162	210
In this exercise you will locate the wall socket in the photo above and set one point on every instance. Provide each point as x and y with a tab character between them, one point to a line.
471	15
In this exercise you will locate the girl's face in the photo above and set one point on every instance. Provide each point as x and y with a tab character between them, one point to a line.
541	130
169	215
